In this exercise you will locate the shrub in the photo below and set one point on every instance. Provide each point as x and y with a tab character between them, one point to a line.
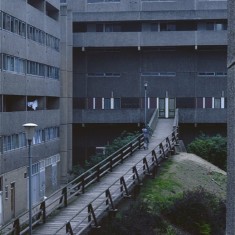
212	149
198	212
117	143
135	220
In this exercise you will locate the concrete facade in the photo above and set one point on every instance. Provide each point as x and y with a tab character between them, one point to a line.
178	47
230	218
29	92
77	69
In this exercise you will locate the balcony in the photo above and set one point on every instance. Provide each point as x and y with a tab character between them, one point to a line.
202	115
111	115
135	39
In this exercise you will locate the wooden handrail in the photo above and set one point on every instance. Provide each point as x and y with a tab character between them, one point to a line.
79	184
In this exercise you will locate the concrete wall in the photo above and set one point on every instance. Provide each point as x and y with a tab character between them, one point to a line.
14	162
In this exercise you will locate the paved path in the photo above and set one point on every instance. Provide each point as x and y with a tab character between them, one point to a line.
163	129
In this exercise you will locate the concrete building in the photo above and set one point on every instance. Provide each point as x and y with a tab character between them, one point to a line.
29	92
230	218
77	69
178	47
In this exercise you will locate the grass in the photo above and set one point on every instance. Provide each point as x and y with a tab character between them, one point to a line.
163	189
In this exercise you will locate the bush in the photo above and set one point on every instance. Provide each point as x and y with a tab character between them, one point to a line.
198	212
117	143
212	149
136	220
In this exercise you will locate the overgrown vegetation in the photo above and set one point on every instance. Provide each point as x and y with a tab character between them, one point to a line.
212	149
163	208
117	143
138	219
198	212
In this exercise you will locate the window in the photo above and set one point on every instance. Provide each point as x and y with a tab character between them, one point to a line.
13	64
112	28
22	29
159	74
208	102
16	26
217	103
99	27
209	26
22	140
52	72
167	27
154	27
6	22
0	19
12	24
38	137
35	68
6	192
107	103
117	103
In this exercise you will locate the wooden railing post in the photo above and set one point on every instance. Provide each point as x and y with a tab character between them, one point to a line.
92	213
111	164
162	149
134	170
98	173
69	229
146	165
16	226
123	184
64	192
42	213
154	155
139	141
83	184
131	147
109	199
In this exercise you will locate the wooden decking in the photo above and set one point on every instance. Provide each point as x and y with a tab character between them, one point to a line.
101	196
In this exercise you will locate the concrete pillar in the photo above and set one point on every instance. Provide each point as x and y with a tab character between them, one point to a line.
66	79
230	217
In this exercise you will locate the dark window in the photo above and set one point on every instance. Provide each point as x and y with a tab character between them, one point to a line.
130	102
79	27
107	103
208	102
79	103
117	103
185	102
199	103
99	28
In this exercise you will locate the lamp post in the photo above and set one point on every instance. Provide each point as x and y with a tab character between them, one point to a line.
29	131
145	103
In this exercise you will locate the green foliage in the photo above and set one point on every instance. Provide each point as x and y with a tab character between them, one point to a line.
198	212
212	149
117	143
136	220
160	192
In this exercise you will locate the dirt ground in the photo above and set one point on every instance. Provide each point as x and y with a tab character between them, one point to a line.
191	171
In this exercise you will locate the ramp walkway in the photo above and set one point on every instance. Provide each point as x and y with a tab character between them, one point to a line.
80	204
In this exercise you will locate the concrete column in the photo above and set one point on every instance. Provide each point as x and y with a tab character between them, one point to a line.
222	103
66	79
230	217
213	102
166	107
112	103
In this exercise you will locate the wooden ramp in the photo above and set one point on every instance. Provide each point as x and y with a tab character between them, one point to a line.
85	210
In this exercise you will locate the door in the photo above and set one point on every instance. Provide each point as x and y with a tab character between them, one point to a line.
162	107
171	107
13	200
